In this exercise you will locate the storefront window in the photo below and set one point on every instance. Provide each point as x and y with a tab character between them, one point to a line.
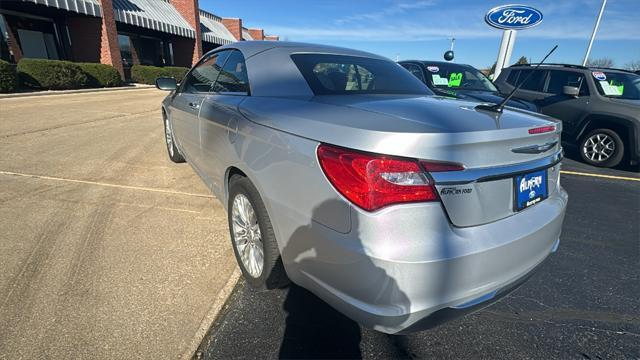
5	54
125	49
37	36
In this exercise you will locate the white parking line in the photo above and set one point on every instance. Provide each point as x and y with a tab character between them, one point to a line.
129	187
599	175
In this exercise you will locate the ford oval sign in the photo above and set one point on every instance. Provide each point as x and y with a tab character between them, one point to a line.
513	17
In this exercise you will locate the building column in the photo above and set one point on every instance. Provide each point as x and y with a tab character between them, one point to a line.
234	26
13	45
109	48
257	34
191	12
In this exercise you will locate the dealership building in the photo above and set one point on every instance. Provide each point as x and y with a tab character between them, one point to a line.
116	32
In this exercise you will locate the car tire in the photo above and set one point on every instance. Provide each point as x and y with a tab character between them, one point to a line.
259	237
172	149
602	147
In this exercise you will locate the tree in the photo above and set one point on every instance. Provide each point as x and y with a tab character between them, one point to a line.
633	65
604	62
522	61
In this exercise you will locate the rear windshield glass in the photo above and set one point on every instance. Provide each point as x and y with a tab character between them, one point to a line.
329	74
458	77
617	85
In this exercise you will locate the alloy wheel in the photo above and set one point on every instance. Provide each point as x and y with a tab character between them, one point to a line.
247	237
599	147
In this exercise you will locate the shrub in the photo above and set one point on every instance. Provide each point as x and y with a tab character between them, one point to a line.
101	75
148	74
8	78
51	74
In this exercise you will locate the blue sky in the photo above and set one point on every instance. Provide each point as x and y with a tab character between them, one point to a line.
420	29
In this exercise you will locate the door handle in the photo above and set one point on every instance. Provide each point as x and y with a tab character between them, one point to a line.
194	106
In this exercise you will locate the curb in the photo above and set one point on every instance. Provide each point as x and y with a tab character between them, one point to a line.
77	91
211	315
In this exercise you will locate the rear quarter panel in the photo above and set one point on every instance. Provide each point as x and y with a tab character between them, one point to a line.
285	170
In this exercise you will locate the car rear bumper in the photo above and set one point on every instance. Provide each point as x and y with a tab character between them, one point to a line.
406	268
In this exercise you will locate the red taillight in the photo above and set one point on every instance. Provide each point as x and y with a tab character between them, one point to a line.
437	166
542	129
374	181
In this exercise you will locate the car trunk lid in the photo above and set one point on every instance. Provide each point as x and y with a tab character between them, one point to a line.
493	147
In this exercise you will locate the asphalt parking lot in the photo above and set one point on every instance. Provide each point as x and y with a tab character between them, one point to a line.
107	249
584	303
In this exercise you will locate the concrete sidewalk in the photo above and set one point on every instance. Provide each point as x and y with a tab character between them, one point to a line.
108	250
73	91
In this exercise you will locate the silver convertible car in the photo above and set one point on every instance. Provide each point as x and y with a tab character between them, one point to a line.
343	173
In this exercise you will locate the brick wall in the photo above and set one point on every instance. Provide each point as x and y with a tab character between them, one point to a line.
257	34
234	26
189	11
109	48
13	44
272	37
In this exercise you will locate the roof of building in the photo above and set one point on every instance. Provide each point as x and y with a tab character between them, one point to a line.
87	7
246	35
152	14
213	31
159	15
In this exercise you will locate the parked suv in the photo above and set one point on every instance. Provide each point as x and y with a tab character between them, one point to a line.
459	81
599	108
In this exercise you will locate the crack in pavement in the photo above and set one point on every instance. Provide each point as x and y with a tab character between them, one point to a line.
97	183
78	123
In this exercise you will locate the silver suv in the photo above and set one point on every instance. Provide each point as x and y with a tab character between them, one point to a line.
599	108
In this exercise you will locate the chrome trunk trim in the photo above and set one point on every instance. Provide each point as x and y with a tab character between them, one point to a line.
495	173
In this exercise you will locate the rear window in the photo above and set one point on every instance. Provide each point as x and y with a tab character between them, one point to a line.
458	77
535	82
329	74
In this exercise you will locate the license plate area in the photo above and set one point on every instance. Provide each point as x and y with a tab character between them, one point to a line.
529	189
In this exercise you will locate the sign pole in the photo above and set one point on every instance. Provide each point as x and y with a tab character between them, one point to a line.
510	18
506	48
593	34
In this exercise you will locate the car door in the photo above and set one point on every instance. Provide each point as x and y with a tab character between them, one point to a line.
569	109
219	119
186	106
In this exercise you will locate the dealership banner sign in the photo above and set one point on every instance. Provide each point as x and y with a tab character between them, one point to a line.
513	17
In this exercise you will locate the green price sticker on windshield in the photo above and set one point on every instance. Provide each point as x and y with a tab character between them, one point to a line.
455	79
619	85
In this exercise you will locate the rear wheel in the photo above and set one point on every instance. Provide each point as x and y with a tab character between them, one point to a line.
172	149
252	237
602	147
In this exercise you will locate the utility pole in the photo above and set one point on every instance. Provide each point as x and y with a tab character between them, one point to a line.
593	34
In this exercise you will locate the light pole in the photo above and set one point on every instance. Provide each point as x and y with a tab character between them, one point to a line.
593	34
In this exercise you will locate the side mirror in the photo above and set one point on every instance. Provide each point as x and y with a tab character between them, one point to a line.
165	83
570	91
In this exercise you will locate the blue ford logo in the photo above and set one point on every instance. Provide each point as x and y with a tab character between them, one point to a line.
513	17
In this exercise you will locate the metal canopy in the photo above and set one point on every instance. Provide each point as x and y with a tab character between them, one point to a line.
87	7
152	14
213	31
246	35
